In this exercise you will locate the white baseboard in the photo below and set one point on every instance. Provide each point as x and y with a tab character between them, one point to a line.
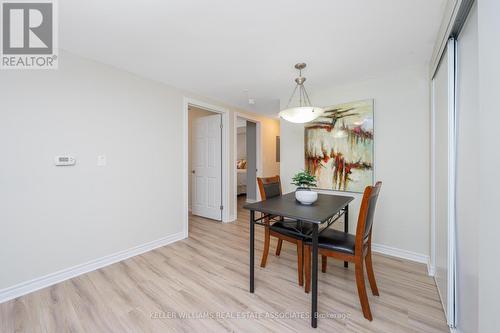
431	269
251	201
68	273
403	254
230	219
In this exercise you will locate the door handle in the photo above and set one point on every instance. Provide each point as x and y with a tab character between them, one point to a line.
193	172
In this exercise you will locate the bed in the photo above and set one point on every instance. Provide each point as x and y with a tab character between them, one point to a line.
241	177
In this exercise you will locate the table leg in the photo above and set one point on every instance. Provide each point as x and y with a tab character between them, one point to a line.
346	227
252	250
314	311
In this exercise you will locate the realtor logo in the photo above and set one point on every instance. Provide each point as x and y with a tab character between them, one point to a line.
28	35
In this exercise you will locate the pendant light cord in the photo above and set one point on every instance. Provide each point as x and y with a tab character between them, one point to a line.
303	95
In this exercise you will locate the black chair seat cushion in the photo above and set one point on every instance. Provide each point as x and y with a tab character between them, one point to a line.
336	241
291	227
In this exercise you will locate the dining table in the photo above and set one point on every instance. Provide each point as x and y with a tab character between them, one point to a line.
317	217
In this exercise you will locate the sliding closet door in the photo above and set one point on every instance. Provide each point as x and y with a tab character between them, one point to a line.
467	175
443	85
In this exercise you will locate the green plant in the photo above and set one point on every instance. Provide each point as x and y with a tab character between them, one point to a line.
304	179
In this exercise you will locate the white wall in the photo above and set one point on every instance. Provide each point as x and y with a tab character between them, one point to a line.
54	218
402	129
241	144
57	217
489	164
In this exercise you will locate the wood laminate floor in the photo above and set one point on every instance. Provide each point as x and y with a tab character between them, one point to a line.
206	277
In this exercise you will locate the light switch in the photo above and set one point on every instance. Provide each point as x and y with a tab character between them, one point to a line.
101	160
64	160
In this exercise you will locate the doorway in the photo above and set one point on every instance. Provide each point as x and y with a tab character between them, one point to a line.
206	161
247	156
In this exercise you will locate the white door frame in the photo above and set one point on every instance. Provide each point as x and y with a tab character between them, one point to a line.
235	153
225	157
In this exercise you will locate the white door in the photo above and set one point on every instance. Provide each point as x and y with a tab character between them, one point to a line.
443	93
207	167
468	191
441	177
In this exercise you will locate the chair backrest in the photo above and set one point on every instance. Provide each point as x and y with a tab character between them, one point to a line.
366	213
269	187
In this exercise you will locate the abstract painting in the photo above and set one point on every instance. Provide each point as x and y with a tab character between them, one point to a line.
339	147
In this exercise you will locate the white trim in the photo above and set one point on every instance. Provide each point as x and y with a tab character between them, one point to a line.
452	84
232	218
400	253
68	273
432	261
185	164
455	14
235	154
449	16
431	269
226	216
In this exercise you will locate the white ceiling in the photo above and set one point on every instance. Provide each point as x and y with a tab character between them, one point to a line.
220	48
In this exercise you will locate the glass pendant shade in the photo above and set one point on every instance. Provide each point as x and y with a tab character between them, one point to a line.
304	112
301	114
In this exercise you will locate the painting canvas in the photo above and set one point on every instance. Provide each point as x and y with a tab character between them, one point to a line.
339	147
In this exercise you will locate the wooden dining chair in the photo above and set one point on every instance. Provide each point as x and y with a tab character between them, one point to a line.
347	247
279	227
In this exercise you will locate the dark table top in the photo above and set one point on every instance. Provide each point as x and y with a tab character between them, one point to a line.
286	205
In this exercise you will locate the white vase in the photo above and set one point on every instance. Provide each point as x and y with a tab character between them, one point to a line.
306	197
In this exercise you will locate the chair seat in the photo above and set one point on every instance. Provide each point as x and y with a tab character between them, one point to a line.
336	241
291	227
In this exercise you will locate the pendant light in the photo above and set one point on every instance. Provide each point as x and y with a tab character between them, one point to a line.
304	112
